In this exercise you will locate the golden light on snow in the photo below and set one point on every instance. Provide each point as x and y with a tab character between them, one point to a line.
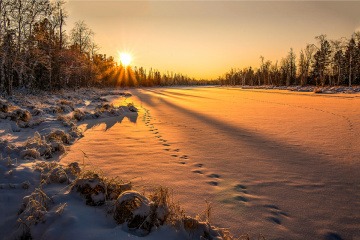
125	58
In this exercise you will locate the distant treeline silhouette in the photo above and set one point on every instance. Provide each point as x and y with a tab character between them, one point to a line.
329	62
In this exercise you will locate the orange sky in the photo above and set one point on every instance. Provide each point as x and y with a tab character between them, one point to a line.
204	39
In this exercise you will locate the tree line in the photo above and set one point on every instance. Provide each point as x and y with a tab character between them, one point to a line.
328	62
37	53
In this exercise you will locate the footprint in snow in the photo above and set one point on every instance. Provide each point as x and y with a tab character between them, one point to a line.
199	165
213	183
174	155
276	212
241	188
274	220
332	236
198	171
213	175
165	144
241	198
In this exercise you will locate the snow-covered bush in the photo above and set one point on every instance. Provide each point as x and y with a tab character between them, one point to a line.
91	186
65	119
133	209
40	145
75	132
34	208
47	145
58	135
53	172
30	153
97	189
141	214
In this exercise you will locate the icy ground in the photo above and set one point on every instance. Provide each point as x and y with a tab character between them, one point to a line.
278	163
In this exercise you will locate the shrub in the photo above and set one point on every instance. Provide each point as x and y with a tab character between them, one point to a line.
59	135
31	153
20	114
4	106
78	115
97	189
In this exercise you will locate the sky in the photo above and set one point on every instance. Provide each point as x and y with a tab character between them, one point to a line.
204	39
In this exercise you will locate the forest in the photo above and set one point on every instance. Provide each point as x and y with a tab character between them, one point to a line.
36	52
328	62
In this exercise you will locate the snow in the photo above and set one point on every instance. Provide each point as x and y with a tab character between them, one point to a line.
42	199
284	164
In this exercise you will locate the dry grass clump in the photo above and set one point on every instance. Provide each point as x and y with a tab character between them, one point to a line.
20	114
46	145
75	132
58	135
78	115
34	208
104	107
65	119
30	153
39	144
131	107
4	106
135	210
97	189
65	106
141	214
7	148
53	172
65	102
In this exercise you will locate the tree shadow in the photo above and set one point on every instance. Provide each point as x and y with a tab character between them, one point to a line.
275	150
110	121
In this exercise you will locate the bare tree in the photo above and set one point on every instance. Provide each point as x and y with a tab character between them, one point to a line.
82	37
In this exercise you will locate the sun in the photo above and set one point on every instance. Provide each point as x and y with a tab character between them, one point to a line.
125	58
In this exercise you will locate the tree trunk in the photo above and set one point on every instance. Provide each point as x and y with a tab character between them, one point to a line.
350	70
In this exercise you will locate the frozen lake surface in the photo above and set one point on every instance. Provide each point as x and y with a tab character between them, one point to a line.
282	164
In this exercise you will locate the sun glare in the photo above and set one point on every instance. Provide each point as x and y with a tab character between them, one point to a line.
125	58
